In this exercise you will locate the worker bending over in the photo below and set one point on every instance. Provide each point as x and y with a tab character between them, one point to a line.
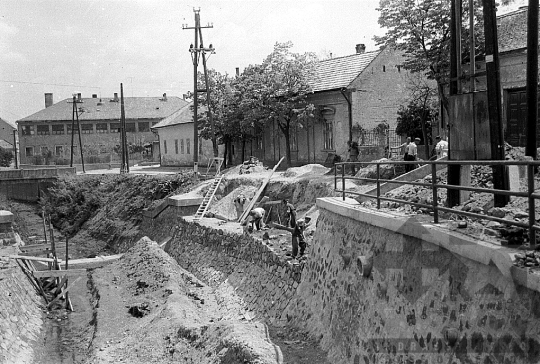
256	218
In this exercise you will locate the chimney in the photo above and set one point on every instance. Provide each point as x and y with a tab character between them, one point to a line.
164	97
184	96
94	96
48	99
360	48
237	71
116	97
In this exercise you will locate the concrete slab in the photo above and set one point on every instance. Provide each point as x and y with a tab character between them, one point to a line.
185	200
480	251
6	217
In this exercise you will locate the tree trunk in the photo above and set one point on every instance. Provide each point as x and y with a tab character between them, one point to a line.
285	127
215	146
229	153
225	164
243	147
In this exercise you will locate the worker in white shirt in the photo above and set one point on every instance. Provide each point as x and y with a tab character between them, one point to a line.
256	218
412	151
441	148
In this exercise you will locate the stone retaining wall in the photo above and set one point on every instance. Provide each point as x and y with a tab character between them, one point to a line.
421	303
20	316
264	282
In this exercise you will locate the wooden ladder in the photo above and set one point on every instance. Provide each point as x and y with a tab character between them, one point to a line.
208	198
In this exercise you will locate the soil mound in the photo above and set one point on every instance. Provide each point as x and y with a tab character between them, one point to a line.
225	209
307	169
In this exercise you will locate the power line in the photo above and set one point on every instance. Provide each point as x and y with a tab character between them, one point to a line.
48	84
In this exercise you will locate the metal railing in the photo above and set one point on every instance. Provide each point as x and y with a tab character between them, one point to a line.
435	206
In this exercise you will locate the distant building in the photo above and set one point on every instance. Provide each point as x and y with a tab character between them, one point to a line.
46	135
175	134
6	134
374	83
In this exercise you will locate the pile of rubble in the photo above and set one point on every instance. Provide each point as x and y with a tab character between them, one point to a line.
529	259
252	165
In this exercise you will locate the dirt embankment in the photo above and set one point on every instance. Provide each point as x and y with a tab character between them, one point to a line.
150	310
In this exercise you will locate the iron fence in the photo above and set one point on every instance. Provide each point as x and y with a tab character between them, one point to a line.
435	206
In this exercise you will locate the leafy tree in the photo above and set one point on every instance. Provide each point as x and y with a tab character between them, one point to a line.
278	90
421	29
5	157
414	120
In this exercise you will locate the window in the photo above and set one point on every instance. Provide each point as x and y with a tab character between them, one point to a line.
101	128
130	128
115	127
58	129
328	134
58	150
187	147
28	130
176	146
43	130
144	126
44	150
165	146
29	151
182	146
87	128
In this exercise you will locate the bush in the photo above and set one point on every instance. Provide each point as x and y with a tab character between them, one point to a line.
5	157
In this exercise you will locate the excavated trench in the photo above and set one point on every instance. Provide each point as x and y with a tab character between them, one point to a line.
205	323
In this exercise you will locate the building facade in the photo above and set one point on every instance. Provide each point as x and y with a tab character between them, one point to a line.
46	136
175	135
353	95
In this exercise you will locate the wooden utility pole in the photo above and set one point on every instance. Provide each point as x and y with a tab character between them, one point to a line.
195	51
75	116
124	168
15	149
532	78
454	170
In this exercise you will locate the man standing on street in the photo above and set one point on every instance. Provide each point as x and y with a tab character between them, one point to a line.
412	151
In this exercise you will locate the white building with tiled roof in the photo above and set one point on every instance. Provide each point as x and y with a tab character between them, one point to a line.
175	134
352	94
49	130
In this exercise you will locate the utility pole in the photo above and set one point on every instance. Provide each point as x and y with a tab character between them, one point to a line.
75	116
500	175
532	78
195	51
124	168
15	148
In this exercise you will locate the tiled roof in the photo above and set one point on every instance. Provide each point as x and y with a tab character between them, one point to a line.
12	124
181	116
512	30
340	72
135	108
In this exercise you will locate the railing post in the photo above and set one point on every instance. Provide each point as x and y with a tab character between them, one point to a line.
530	191
378	187
343	180
434	189
335	177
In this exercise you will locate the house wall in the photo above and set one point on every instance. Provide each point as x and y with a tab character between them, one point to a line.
380	90
6	131
182	133
94	143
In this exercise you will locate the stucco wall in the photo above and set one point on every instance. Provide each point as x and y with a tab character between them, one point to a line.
172	156
20	316
380	90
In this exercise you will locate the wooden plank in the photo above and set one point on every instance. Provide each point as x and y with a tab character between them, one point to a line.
59	273
41	247
37	259
64	291
258	194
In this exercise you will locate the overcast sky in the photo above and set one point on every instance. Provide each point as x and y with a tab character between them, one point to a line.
91	46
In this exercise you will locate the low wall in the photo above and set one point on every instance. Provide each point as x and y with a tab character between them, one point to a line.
20	316
431	296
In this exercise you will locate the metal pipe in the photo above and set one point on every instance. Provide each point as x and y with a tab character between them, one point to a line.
434	190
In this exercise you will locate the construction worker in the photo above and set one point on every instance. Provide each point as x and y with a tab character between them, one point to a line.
297	235
239	202
291	213
256	218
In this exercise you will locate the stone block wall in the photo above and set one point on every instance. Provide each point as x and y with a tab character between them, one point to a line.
421	303
264	282
20	316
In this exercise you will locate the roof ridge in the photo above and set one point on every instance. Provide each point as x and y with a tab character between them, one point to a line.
350	55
